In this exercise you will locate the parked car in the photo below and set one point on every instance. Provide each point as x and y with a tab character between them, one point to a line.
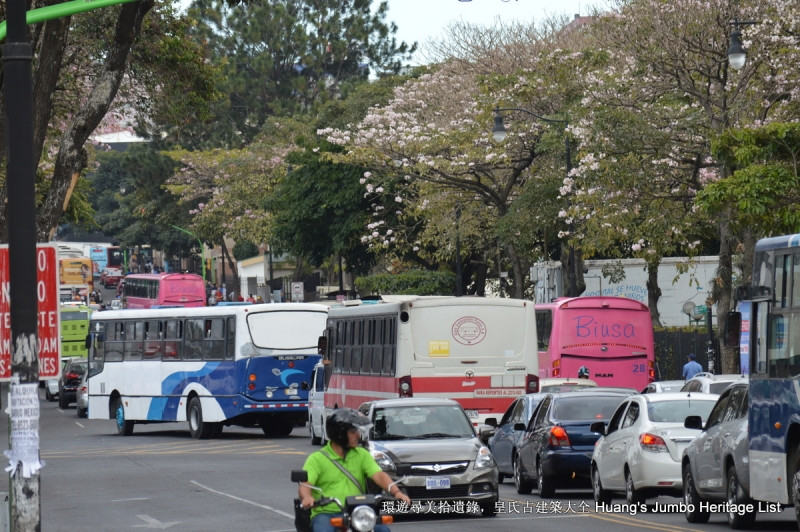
716	464
70	378
710	383
639	452
506	434
51	385
556	447
110	277
82	393
664	386
563	384
434	443
316	406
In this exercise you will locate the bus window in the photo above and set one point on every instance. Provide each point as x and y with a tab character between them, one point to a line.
173	344
195	334
134	336
152	340
214	342
114	342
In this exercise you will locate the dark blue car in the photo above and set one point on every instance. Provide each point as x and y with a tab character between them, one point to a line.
504	442
555	449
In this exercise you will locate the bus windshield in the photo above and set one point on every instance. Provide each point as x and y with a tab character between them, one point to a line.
283	330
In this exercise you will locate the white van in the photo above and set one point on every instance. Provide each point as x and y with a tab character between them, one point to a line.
316	406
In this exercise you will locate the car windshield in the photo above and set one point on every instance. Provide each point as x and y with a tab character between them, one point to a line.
677	411
672	387
583	408
420	422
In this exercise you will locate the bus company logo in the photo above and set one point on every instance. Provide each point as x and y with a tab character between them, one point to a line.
469	330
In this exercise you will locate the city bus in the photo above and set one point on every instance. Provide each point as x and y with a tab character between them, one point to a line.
74	328
147	290
766	329
75	278
246	366
611	336
478	351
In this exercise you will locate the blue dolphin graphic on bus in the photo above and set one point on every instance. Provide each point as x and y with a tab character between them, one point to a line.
285	374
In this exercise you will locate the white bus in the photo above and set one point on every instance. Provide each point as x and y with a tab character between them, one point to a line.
482	352
244	365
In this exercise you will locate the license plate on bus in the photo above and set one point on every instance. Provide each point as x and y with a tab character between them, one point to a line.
437	483
472	414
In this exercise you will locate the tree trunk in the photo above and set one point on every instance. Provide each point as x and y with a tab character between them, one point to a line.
71	158
516	266
729	361
653	293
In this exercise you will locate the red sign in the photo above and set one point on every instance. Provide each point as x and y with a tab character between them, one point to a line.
49	333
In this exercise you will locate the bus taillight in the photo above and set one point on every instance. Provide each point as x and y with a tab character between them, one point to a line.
404	386
531	383
651	372
252	384
556	368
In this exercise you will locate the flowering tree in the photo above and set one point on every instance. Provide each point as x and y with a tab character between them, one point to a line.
650	114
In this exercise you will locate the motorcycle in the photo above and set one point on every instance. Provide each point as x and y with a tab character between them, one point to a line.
360	513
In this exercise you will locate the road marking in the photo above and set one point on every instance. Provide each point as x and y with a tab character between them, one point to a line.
133	499
151	522
234	497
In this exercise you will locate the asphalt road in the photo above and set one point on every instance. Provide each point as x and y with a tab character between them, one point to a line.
160	478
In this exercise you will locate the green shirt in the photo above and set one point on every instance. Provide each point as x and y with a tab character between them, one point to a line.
323	474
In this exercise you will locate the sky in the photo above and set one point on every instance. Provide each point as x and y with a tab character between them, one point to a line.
420	20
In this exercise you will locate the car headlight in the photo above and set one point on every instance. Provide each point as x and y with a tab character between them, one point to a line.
484	458
383	460
363	518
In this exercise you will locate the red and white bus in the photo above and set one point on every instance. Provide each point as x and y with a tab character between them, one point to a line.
611	336
148	290
480	352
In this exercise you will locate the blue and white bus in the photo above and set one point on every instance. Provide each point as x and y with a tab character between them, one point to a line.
766	328
244	365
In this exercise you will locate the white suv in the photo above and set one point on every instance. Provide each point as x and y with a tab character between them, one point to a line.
710	383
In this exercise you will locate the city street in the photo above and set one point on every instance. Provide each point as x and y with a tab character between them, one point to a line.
160	478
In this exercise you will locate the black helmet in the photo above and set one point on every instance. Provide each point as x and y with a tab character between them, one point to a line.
583	372
341	421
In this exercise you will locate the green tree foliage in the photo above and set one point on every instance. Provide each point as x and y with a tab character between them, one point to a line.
144	212
285	57
424	283
765	187
244	250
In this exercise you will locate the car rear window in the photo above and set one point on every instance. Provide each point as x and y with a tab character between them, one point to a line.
719	387
677	411
585	407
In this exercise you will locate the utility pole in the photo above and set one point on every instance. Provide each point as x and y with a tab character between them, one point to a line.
23	452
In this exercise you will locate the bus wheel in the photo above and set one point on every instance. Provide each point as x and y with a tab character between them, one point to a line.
199	429
124	426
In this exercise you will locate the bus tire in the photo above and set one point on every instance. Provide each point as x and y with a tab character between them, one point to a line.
124	426
199	429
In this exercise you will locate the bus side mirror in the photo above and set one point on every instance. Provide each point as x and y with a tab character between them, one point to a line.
733	329
322	345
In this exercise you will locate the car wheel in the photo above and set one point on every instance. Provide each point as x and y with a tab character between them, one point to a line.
632	495
48	395
62	403
692	499
736	499
315	440
124	426
523	485
489	509
82	412
546	488
601	495
199	429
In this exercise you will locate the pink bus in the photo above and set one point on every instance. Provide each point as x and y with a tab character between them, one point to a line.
611	336
148	290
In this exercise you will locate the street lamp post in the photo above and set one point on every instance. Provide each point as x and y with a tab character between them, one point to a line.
737	55
499	135
202	249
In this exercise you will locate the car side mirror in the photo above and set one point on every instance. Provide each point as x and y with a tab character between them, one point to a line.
693	422
485	433
519	426
598	427
491	421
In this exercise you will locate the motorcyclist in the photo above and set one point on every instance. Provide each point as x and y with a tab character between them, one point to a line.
344	428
